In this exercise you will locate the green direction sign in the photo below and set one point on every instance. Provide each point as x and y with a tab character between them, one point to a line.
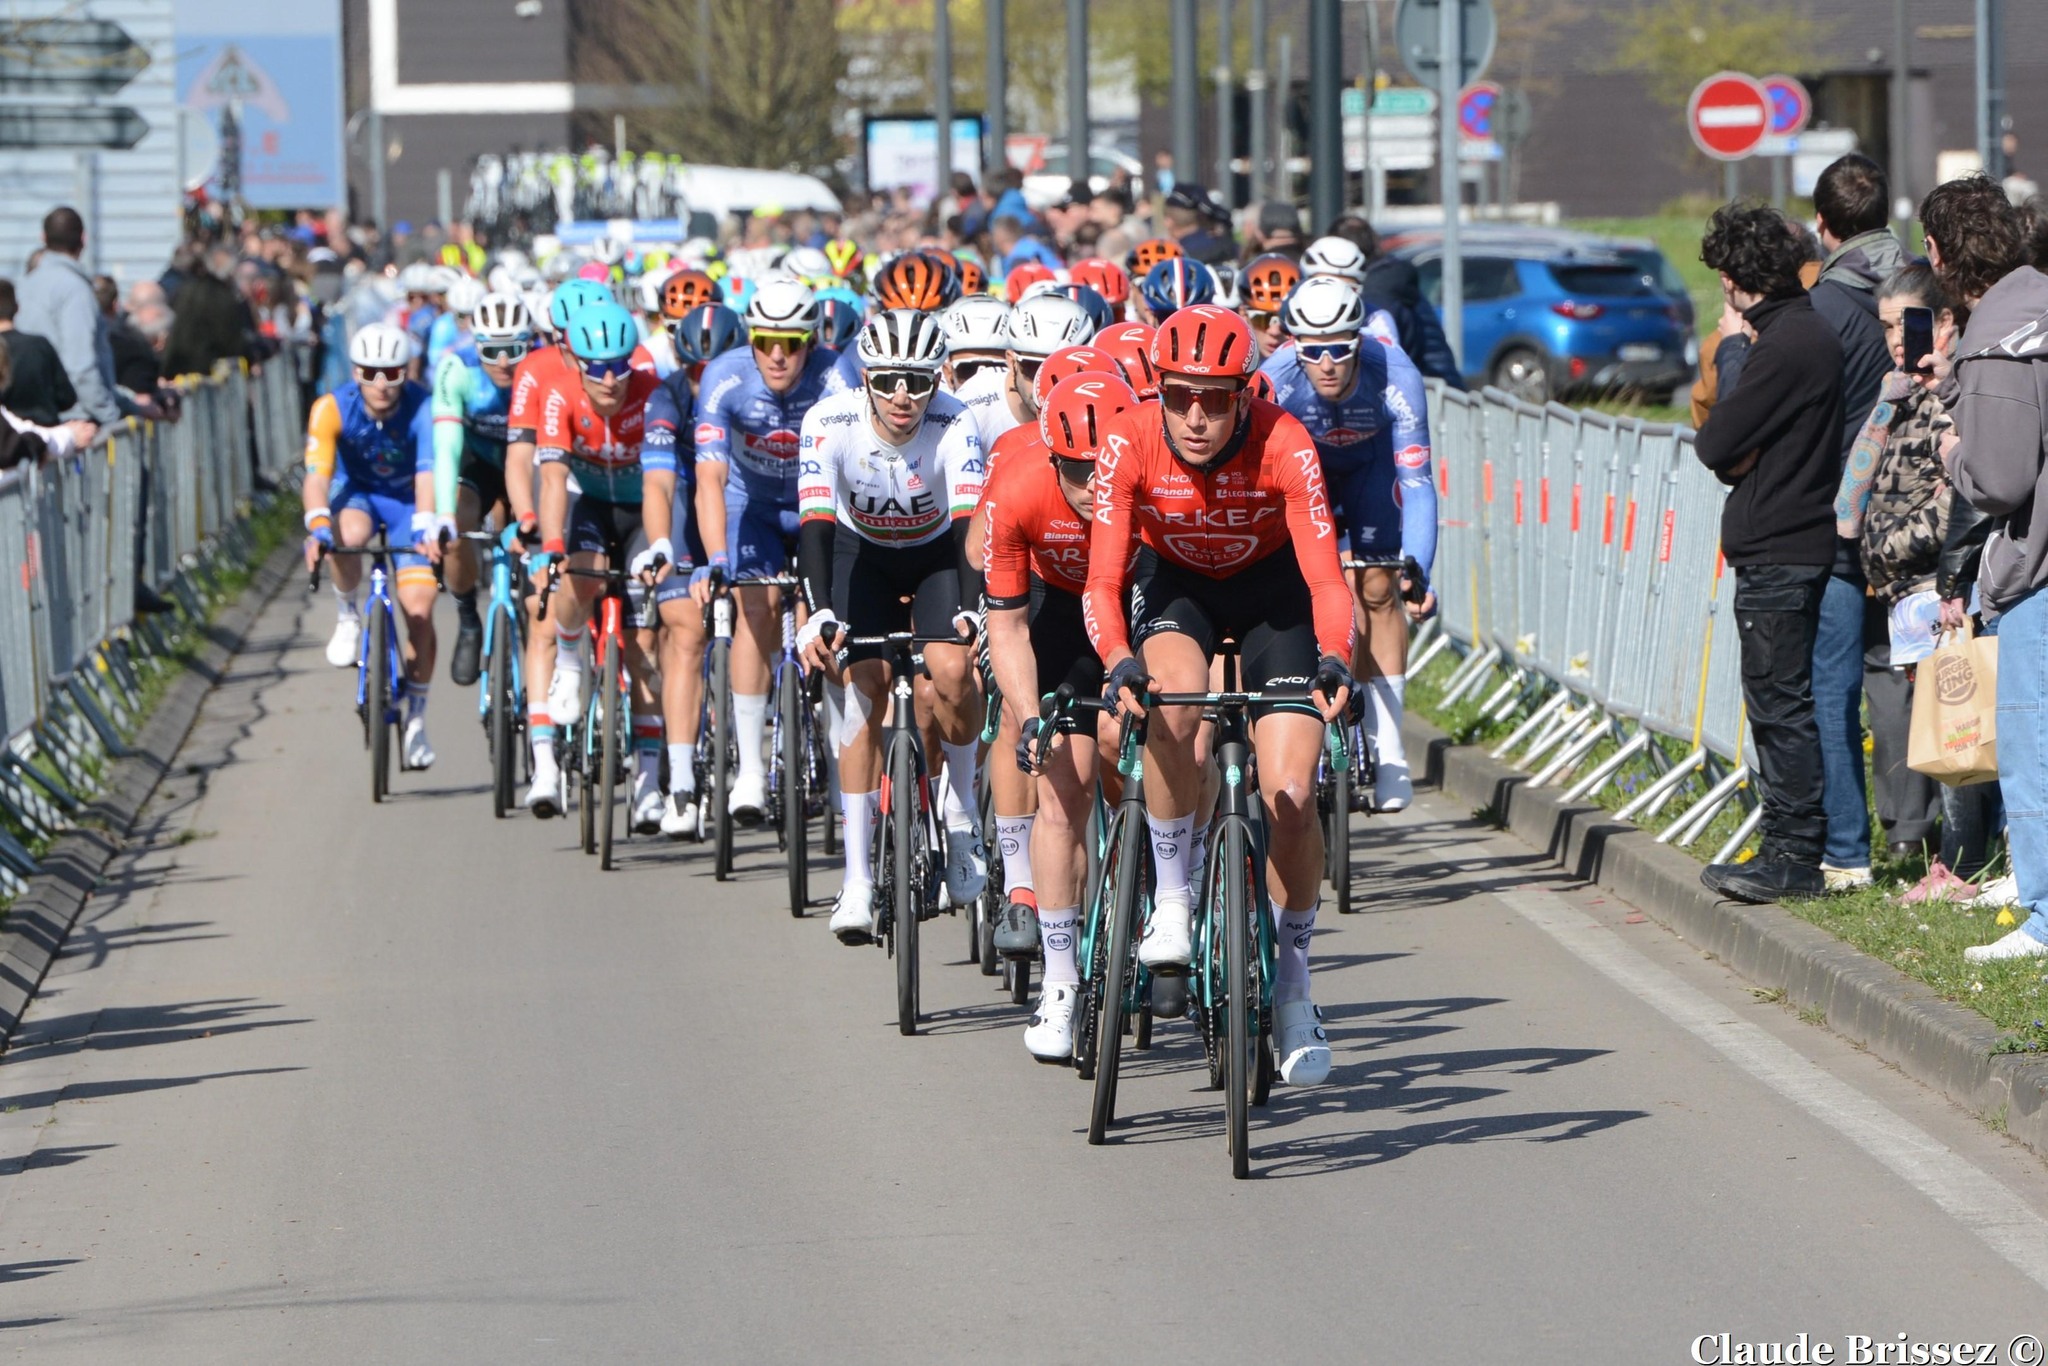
112	127
1406	101
67	57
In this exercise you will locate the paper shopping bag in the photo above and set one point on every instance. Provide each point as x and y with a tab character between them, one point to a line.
1954	739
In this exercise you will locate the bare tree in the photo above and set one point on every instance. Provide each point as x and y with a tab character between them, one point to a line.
1673	45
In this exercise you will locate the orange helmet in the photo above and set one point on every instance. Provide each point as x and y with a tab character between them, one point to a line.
1130	346
1206	339
1262	386
973	279
1073	416
1150	253
912	280
1267	281
1106	278
685	290
1069	361
1025	276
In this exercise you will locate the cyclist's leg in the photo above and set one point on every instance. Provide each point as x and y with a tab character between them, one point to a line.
353	526
956	713
1175	638
755	535
1066	789
1381	663
866	596
414	589
682	683
481	486
638	648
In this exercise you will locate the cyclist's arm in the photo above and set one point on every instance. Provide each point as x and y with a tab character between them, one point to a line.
450	408
1313	530
423	493
657	505
963	466
1109	550
817	506
712	439
552	440
1006	558
323	435
658	472
519	445
1408	404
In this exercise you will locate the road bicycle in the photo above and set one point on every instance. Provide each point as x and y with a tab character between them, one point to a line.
600	755
986	911
501	695
380	662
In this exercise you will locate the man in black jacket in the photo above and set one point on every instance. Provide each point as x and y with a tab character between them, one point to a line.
40	391
1776	442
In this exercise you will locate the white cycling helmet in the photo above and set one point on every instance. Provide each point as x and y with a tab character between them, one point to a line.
536	301
783	306
1226	284
464	294
808	263
979	322
609	250
1038	287
902	339
420	278
378	345
502	317
1043	323
1323	306
1338	256
500	277
649	290
698	252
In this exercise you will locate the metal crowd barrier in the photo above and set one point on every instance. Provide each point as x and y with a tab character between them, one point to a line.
159	504
1582	595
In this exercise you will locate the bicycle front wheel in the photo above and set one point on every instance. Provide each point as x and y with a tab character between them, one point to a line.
377	702
722	754
504	721
907	877
1339	837
608	780
1117	966
796	847
1240	1008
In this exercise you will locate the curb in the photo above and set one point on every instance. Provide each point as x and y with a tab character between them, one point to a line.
41	917
1864	1000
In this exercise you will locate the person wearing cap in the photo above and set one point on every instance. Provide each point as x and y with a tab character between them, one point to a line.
1069	214
1276	228
1190	215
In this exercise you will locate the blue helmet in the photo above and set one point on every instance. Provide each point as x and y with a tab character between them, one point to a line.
603	331
1177	283
705	331
1098	308
572	297
839	322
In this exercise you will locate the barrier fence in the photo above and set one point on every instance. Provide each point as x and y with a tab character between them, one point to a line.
162	504
1582	594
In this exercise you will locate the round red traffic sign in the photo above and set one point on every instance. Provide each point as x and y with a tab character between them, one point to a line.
1476	105
1729	114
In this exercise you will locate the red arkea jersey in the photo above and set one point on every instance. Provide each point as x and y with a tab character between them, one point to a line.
1213	521
1032	529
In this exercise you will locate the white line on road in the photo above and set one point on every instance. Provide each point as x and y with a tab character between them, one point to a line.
1977	1201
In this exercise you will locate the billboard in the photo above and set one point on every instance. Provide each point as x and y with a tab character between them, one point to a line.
903	153
277	68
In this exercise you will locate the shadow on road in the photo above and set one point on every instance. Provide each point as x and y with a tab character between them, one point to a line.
119	1027
101	1090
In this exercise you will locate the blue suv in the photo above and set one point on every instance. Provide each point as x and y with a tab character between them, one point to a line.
1552	314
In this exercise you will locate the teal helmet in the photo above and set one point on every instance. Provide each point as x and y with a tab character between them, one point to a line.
572	297
603	331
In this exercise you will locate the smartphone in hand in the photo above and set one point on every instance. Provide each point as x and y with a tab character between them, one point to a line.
1917	339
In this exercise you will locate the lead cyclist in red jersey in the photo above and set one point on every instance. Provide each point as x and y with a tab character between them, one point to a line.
1223	495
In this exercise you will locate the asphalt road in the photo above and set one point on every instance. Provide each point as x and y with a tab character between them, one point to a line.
322	1082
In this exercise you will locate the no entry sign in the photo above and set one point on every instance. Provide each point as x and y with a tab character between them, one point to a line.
1729	114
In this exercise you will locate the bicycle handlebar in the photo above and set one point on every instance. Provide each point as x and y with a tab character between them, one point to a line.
611	574
375	548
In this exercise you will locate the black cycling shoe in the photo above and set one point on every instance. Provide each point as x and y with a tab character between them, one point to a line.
1016	930
467	660
1169	998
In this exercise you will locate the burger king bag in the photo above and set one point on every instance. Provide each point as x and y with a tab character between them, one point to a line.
1954	739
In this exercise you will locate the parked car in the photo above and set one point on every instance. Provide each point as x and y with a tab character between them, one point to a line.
1044	187
1551	313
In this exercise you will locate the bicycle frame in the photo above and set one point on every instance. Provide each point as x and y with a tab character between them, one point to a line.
503	613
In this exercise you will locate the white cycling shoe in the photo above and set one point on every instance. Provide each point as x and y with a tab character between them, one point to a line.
748	798
853	915
545	798
418	753
346	641
1392	787
648	805
565	697
1299	1040
1050	1036
966	865
1169	937
680	818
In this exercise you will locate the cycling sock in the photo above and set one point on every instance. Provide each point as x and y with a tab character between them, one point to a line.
415	700
1388	696
465	608
647	745
961	806
750	717
543	732
569	651
860	810
1292	931
1013	837
1056	934
682	768
345	603
1170	852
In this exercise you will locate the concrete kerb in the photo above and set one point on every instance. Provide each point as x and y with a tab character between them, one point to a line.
1863	999
38	922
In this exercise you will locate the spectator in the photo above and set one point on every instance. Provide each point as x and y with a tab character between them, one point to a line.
212	323
137	372
1977	244
39	391
1391	284
1775	440
56	302
1066	217
36	443
1111	204
1013	248
1188	220
1276	227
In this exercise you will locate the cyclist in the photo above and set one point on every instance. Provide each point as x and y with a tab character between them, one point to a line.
703	334
915	281
1173	285
998	400
1130	346
1150	253
1036	566
1222	497
1099	312
1363	401
656	352
1264	288
471	396
426	297
714	328
891	477
1106	278
977	338
750	412
452	329
365	475
593	424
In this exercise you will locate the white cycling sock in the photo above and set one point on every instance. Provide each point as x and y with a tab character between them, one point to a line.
750	718
861	810
682	768
1056	933
1388	697
345	603
960	806
415	700
543	744
1170	852
1292	931
1013	836
569	651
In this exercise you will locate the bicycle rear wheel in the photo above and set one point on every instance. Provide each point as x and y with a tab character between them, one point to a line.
586	789
504	723
377	701
1339	837
795	789
1240	1008
904	818
608	779
1114	957
721	759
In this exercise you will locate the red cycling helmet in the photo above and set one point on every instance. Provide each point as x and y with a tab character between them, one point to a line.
685	291
1075	415
1206	340
1261	386
1106	278
1130	346
1025	276
1069	361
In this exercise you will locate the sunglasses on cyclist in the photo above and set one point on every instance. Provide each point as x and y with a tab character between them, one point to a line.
381	374
764	342
608	369
916	383
964	370
1027	370
1179	399
1335	352
1074	471
1261	321
502	353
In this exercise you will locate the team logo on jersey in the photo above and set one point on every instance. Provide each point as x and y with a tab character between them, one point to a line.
1344	436
1412	457
709	431
781	444
1212	550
